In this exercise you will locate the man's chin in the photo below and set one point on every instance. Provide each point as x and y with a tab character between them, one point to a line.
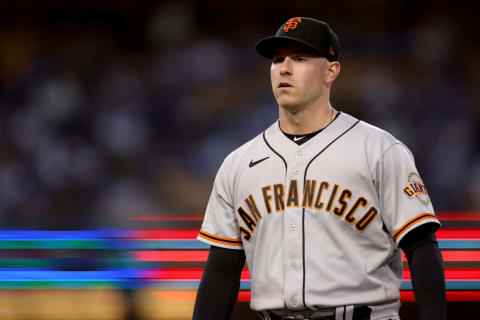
290	106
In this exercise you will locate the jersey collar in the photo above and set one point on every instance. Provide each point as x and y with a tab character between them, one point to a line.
286	147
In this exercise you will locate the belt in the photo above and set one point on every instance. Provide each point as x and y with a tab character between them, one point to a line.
359	313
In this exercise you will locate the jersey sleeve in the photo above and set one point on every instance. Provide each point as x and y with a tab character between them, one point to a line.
404	200
220	226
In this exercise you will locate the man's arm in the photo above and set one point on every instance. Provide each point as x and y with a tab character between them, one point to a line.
218	290
426	267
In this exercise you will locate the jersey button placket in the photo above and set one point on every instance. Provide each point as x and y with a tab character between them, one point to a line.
295	265
293	238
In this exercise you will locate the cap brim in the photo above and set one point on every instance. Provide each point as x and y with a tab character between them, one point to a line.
267	46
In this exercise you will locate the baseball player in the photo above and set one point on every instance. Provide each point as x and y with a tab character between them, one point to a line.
319	204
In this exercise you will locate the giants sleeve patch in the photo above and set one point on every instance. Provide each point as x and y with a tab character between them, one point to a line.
416	188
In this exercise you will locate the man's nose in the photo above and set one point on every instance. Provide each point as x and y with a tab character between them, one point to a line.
286	66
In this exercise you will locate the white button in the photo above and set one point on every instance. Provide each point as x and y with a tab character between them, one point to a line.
299	154
294	265
295	171
293	227
294	301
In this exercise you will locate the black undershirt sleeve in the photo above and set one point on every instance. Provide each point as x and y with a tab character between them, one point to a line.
218	290
426	267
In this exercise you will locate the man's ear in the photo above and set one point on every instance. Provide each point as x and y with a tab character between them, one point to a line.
332	72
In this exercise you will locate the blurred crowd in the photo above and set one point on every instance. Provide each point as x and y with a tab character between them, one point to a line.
114	110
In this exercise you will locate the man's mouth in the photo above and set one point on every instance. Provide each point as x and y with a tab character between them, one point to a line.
284	85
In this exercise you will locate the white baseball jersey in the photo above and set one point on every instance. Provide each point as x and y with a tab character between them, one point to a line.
319	222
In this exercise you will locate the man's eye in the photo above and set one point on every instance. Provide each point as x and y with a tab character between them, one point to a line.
277	59
300	59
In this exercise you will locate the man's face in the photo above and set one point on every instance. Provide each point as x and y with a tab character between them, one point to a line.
298	77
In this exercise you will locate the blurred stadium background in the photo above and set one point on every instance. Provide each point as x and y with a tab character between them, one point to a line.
115	116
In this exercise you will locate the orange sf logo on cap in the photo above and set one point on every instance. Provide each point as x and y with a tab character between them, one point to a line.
292	24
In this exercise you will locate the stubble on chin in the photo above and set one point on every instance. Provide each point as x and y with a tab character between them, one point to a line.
289	106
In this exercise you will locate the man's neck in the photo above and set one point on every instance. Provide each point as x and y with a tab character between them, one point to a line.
306	120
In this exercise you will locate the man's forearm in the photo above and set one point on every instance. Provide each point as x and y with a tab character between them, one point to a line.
428	280
218	290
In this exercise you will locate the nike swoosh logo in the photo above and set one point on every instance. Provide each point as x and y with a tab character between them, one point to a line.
299	138
254	163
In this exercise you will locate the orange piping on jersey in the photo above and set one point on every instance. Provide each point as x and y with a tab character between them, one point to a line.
411	222
211	237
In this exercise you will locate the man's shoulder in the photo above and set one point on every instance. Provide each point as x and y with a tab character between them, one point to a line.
369	131
376	141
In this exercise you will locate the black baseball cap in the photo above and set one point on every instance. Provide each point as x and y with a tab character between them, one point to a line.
312	34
